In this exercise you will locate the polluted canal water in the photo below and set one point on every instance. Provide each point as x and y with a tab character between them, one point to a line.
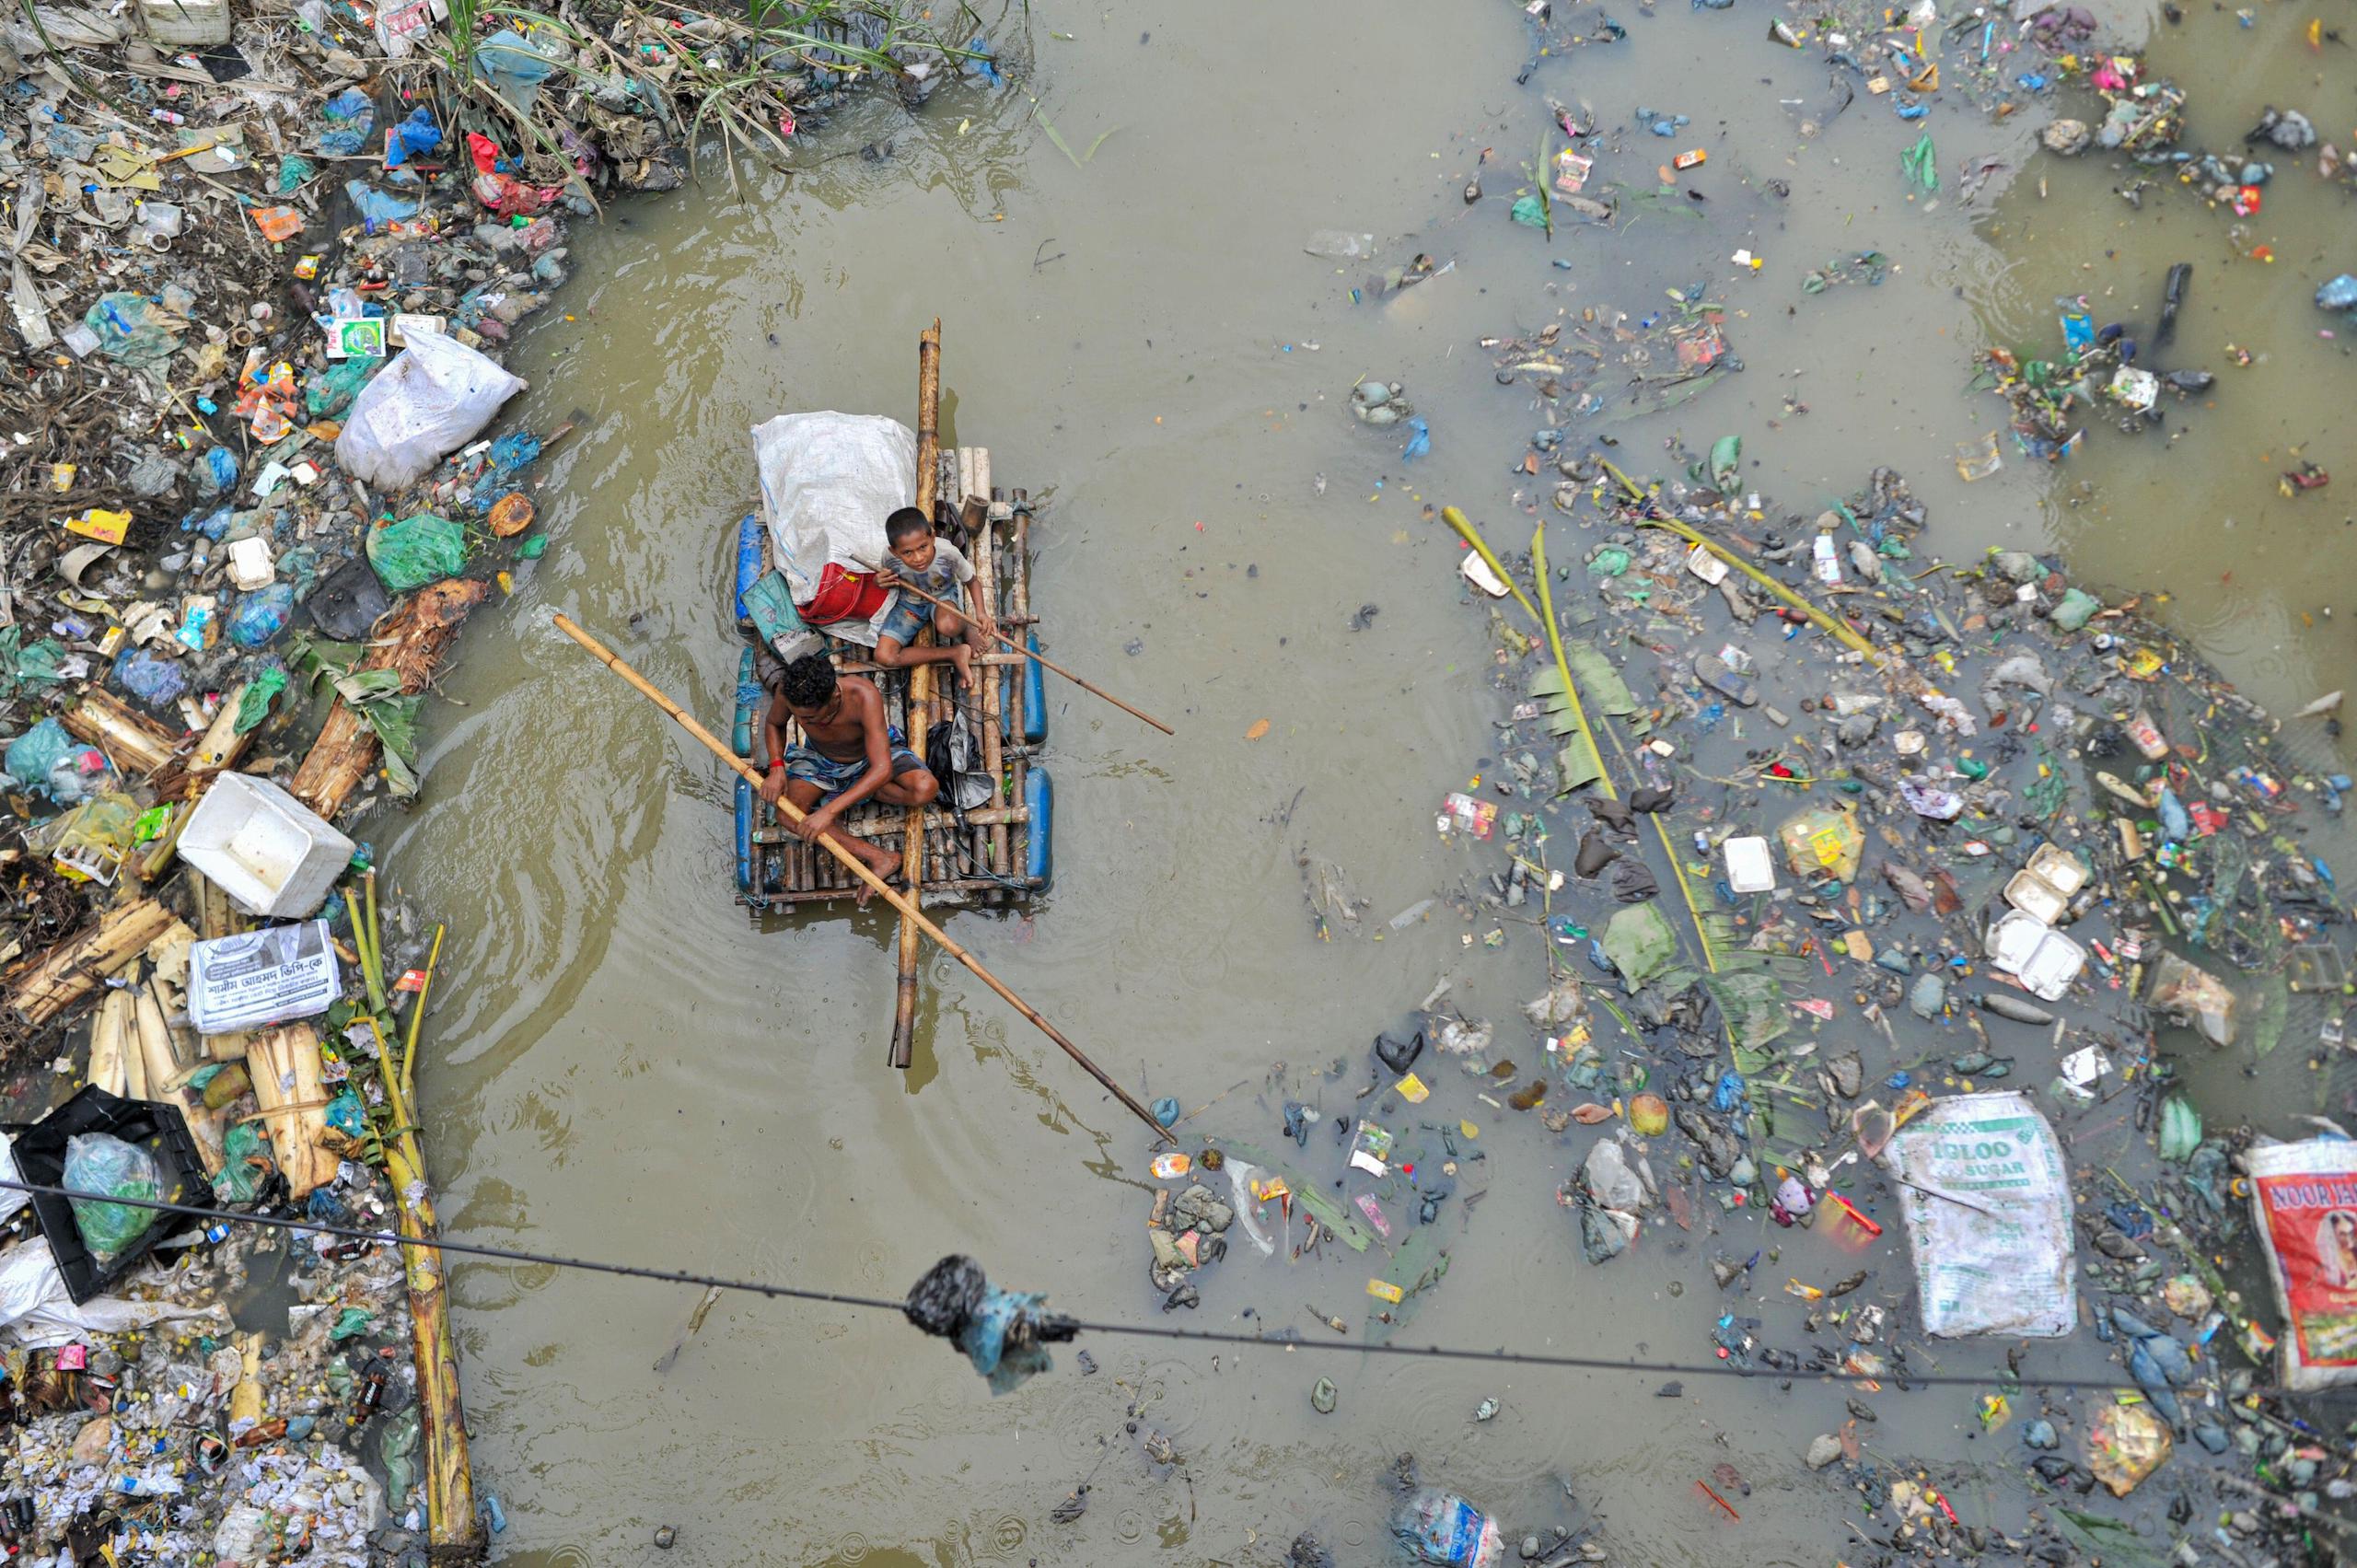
1135	325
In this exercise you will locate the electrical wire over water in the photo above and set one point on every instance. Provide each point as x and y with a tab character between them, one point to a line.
901	1308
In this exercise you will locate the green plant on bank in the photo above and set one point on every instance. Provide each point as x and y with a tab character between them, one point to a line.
733	83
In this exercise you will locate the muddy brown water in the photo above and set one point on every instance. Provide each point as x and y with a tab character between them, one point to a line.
630	1068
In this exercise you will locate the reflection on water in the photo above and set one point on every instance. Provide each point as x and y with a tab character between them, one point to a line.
634	1069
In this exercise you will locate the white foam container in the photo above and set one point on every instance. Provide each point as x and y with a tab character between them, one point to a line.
1751	868
268	851
2043	888
2042	958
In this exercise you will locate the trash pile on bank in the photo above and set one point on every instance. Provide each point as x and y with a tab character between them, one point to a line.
1883	896
239	1063
263	271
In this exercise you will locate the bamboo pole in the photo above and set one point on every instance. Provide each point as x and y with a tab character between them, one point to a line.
982	544
858	867
904	999
1024	652
453	1533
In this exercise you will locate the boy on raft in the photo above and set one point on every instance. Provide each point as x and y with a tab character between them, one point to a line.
919	557
850	753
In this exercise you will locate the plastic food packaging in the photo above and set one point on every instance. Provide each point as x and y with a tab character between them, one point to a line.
1988	1211
100	1161
1819	840
2043	888
2042	958
2125	1444
1442	1528
262	978
2189	992
433	399
2304	1200
1751	868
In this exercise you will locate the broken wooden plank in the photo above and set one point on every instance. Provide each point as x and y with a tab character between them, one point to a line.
412	640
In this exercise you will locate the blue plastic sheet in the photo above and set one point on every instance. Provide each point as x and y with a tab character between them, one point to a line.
377	206
512	451
515	68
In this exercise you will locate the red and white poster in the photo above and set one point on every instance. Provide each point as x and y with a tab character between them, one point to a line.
2304	1198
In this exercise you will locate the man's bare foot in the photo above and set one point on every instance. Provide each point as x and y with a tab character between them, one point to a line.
885	865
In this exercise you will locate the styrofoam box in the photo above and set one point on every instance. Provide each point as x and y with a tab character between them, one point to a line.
2039	957
1750	867
267	850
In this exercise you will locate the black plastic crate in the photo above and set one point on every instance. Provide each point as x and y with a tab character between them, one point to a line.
39	1151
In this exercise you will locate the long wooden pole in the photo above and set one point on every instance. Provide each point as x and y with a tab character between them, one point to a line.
1014	646
904	998
858	867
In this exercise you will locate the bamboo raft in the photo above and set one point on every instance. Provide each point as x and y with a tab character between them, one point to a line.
995	855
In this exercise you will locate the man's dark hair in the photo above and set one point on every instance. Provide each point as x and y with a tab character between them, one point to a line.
807	683
906	523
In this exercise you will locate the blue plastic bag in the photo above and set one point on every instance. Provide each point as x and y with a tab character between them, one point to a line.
152	678
416	134
261	615
377	206
351	119
48	761
217	473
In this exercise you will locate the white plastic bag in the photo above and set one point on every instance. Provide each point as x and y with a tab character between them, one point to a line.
2304	1197
828	482
432	400
36	1310
1988	1211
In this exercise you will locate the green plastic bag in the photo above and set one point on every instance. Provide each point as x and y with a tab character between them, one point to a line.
1640	943
1726	452
1921	164
2076	609
331	390
253	702
100	1161
244	1156
2180	1128
1530	212
417	550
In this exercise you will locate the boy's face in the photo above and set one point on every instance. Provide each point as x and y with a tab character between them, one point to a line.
824	712
915	552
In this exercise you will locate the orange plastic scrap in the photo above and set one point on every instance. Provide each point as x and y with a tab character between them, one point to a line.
278	223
